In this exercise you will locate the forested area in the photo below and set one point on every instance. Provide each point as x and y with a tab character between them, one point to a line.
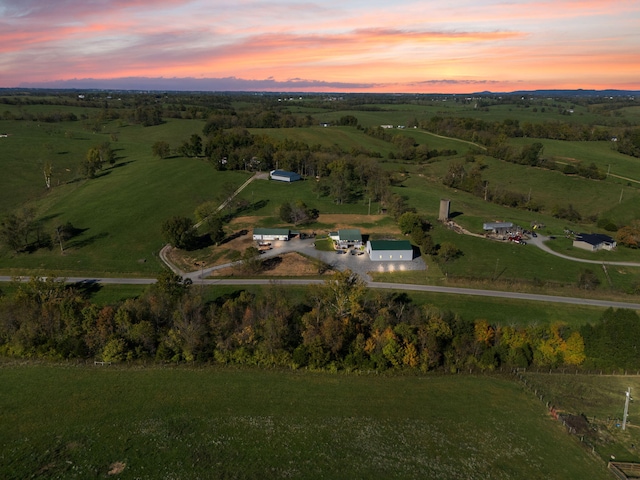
338	326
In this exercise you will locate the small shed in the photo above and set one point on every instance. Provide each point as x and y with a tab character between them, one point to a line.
389	250
262	234
594	242
284	176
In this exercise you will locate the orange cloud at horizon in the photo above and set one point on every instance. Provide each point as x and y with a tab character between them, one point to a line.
410	45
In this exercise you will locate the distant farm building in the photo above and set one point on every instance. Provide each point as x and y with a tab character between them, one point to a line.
498	228
265	234
284	176
349	237
389	250
594	242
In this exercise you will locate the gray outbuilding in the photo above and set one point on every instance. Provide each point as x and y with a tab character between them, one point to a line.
262	234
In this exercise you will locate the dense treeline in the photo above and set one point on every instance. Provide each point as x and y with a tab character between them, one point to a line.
490	133
338	325
493	134
344	176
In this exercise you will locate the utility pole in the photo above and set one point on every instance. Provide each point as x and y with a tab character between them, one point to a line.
626	408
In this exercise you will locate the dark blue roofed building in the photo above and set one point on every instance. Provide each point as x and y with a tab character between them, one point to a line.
284	176
594	242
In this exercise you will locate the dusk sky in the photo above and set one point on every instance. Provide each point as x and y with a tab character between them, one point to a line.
422	46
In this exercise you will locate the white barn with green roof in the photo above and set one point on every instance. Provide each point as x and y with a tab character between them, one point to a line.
271	234
389	250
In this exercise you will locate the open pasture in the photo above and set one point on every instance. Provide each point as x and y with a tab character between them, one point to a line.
184	422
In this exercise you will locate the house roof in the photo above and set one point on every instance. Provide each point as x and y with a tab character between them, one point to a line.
271	231
350	234
593	238
390	245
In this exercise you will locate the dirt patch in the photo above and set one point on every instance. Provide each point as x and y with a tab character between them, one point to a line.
336	221
116	468
290	264
227	252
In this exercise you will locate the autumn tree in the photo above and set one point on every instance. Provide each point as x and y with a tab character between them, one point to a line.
573	350
95	159
297	212
411	221
448	251
16	229
161	149
179	232
629	236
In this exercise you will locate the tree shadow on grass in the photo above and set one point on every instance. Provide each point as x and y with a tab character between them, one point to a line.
271	263
233	236
81	243
222	299
252	207
87	288
119	164
200	242
48	217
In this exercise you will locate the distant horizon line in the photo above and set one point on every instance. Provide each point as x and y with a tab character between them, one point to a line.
442	86
540	91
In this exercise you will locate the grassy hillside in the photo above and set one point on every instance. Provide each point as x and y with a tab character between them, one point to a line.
121	211
190	423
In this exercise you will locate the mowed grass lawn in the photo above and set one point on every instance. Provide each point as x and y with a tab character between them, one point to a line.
84	422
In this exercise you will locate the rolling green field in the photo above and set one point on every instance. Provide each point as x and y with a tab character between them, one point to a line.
208	422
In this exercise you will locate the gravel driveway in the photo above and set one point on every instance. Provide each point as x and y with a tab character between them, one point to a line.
360	264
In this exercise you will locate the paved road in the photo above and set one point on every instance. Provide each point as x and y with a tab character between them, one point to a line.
540	242
381	285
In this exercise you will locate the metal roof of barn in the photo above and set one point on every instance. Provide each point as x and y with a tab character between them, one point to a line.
350	235
378	245
496	225
284	173
271	231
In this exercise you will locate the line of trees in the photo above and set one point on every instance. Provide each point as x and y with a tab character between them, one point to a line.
490	133
338	325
